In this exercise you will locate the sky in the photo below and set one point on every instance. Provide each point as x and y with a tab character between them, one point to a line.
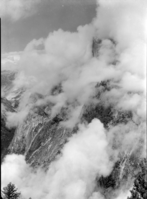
41	18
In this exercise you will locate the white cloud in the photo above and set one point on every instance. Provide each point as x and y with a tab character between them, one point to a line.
9	61
16	9
67	60
72	175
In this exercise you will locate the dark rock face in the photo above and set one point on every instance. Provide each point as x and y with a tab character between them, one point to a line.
40	138
106	115
47	144
6	133
6	138
139	190
95	47
7	104
125	168
124	172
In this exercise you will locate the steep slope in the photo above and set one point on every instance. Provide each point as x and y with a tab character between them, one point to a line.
139	189
41	137
6	133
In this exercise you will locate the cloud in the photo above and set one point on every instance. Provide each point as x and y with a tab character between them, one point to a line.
17	9
14	119
64	61
65	58
72	175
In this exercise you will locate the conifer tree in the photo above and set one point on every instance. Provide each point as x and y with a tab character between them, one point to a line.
10	192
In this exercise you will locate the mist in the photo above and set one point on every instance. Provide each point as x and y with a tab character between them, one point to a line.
65	59
72	174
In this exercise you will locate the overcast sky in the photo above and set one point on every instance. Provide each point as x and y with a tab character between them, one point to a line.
24	21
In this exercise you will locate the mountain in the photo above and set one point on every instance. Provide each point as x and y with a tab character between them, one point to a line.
41	137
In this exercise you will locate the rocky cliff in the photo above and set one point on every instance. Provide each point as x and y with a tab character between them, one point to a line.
41	137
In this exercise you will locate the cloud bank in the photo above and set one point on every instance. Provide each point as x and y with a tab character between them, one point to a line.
65	60
72	175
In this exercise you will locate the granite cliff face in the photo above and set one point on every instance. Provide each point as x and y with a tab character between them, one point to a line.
41	137
6	133
41	140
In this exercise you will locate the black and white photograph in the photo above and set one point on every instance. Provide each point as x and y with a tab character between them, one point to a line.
73	99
